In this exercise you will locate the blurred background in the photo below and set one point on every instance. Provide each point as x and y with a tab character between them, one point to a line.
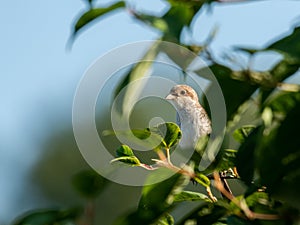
39	76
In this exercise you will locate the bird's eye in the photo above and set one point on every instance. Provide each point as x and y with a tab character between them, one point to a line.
183	92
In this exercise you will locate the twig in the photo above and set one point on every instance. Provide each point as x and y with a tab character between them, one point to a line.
242	203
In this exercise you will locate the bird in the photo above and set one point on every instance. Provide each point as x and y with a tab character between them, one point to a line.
192	118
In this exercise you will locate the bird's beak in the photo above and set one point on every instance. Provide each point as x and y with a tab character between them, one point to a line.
170	97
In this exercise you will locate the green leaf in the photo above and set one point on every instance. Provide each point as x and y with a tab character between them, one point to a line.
166	219
93	14
124	150
283	102
226	159
206	214
285	68
129	160
139	70
245	157
175	19
191	196
126	155
242	133
49	216
161	195
235	91
156	198
171	134
178	16
289	45
153	21
259	202
89	183
279	157
235	220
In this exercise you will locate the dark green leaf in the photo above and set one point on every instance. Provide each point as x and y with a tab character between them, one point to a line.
259	202
191	196
177	18
172	23
226	159
282	102
282	70
89	183
49	216
206	214
235	91
153	21
161	195
235	220
156	198
285	68
289	45
245	157
93	14
251	51
279	158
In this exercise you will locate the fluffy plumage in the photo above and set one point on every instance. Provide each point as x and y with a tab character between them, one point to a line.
193	119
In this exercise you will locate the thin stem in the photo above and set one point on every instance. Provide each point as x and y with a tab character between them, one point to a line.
241	203
168	156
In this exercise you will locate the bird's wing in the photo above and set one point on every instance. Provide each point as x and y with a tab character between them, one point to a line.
178	119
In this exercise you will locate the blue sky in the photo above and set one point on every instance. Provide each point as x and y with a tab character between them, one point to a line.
39	77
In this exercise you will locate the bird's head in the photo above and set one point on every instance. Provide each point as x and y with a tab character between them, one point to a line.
182	95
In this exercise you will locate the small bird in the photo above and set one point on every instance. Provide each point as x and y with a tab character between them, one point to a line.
191	116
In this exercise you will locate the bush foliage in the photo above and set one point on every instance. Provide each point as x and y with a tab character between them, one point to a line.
267	156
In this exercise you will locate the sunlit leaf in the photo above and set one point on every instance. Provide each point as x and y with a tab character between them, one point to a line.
166	219
129	160
170	133
126	155
191	196
95	13
124	150
259	202
242	133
